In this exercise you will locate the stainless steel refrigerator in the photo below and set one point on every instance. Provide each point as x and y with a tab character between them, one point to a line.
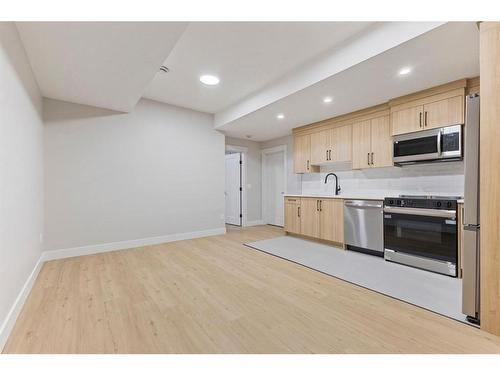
470	261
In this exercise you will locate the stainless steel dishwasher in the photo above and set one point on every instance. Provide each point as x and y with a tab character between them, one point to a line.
364	226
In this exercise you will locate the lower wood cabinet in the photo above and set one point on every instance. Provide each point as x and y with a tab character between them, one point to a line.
292	215
309	217
331	220
313	217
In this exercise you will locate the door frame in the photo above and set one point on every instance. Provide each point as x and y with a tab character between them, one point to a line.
264	154
243	151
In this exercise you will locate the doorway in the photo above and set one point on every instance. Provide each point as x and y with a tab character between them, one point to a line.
233	190
273	185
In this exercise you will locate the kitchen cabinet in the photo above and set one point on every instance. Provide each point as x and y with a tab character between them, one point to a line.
321	146
436	111
444	112
372	143
407	120
341	143
331	220
361	144
309	217
314	217
302	155
292	215
331	145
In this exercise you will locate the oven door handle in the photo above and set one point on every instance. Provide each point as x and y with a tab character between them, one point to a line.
439	135
449	214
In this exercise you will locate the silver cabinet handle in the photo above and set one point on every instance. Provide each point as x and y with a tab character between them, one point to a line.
368	158
320	202
420	119
372	158
330	154
308	165
298	211
425	119
326	154
317	205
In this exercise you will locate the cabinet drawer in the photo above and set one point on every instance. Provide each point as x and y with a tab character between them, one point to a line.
292	200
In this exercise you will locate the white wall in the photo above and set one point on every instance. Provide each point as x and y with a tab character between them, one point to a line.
293	180
21	170
254	176
439	178
113	177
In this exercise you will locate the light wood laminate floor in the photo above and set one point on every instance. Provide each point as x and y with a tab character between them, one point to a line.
215	295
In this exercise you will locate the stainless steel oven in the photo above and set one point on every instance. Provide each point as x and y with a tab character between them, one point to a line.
422	232
442	144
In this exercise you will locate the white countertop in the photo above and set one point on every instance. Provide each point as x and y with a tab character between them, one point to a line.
365	196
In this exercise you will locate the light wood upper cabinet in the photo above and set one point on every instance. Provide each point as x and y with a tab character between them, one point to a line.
407	120
444	109
320	147
292	215
372	143
341	143
361	144
309	217
332	220
302	155
444	112
331	145
381	142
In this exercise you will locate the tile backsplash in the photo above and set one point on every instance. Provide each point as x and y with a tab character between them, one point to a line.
438	178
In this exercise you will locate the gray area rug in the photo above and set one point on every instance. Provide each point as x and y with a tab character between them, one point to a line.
434	292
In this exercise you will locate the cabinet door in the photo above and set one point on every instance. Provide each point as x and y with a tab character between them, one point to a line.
341	143
407	120
320	143
301	154
309	217
292	217
361	144
332	220
444	112
381	142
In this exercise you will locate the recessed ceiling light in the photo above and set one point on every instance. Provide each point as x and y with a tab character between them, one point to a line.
210	80
404	71
327	99
280	116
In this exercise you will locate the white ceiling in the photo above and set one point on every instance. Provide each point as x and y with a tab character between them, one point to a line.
247	56
103	64
444	54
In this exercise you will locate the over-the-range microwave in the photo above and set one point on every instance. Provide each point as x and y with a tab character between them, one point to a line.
441	144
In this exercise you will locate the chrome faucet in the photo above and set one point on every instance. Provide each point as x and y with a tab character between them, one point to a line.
337	186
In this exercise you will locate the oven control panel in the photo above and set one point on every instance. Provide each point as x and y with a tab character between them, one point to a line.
432	203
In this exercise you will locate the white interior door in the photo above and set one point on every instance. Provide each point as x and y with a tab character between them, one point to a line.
274	188
233	189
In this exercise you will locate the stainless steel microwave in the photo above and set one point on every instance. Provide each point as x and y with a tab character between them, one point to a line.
441	144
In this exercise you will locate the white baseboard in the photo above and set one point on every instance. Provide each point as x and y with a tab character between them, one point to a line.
15	310
122	245
254	223
10	320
